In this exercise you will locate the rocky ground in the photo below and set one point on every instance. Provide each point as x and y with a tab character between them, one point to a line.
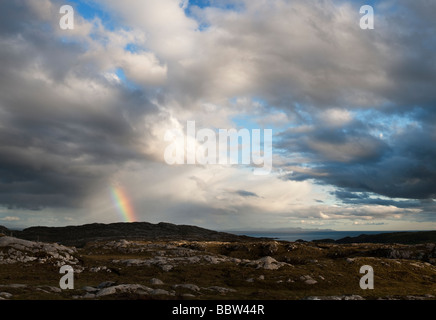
257	269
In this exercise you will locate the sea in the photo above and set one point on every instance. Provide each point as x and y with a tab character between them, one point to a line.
307	235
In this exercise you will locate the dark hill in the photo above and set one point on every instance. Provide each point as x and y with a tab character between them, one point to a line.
80	235
4	230
416	237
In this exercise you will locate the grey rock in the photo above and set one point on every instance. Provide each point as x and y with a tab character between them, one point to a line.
166	267
134	262
132	288
270	248
400	254
352	297
95	269
106	284
106	292
188	286
194	259
235	260
308	279
42	290
123	288
221	290
25	251
322	298
212	259
157	292
156	281
142	292
6	295
267	263
51	289
410	297
14	285
415	265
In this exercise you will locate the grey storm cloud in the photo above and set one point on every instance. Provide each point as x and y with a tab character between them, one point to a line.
366	199
60	137
404	166
353	156
244	193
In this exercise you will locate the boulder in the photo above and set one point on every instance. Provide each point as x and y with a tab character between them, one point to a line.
221	290
106	292
308	279
166	267
5	295
106	284
157	292
123	288
267	263
188	286
352	297
19	250
156	281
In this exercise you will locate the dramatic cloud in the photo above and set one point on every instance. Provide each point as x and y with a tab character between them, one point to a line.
244	193
398	163
64	127
353	111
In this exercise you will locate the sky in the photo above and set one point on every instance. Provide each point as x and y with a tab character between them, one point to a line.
84	112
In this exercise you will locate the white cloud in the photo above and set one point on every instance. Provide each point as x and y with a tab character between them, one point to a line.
169	32
143	68
10	218
335	117
324	216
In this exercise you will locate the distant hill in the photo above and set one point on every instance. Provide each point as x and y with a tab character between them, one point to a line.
394	237
4	230
80	235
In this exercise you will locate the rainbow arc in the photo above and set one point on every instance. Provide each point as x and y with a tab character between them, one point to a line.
123	203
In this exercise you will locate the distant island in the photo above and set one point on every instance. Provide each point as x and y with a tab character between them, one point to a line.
279	230
404	237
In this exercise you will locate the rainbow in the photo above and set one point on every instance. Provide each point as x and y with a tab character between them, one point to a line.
123	203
